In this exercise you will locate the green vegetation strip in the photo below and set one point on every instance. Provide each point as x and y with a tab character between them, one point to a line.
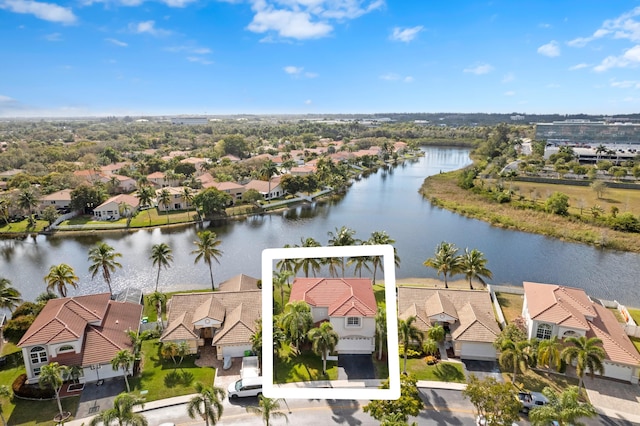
305	367
441	372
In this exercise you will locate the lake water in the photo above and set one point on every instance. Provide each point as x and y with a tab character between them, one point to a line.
386	200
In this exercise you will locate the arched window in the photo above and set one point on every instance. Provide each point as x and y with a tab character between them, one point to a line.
65	348
544	331
38	355
569	333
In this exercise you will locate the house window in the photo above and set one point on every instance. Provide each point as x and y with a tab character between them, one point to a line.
544	332
36	371
65	348
569	333
353	321
38	355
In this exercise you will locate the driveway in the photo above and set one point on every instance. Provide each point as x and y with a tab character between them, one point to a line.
615	399
96	398
483	369
355	367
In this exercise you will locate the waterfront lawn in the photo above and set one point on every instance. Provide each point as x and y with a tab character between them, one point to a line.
303	368
511	305
441	372
163	379
636	342
22	227
635	314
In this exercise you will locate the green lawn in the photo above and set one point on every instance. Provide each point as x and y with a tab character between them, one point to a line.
536	380
305	367
636	342
511	305
162	379
22	227
635	314
441	372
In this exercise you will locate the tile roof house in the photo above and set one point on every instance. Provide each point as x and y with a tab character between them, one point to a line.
466	314
347	303
225	319
86	331
109	209
552	310
176	200
60	200
234	189
269	190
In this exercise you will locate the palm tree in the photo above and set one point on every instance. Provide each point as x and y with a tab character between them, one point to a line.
437	333
279	279
408	333
9	296
307	264
515	354
549	352
187	196
122	412
381	327
123	359
588	354
136	342
145	195
445	261
51	375
161	256
59	277
103	258
342	237
473	265
164	197
158	300
565	408
360	263
381	237
268	170
296	321
207	250
27	200
4	393
324	340
206	404
267	408
287	264
125	210
5	203
169	350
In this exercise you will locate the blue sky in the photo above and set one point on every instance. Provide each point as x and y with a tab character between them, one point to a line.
152	57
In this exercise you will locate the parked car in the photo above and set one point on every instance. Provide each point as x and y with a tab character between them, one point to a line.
530	400
250	386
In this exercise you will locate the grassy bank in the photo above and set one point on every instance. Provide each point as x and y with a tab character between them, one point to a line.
443	191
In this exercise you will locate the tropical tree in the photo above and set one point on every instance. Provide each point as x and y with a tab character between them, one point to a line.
5	204
52	376
268	409
409	403
588	355
436	333
549	352
103	259
183	350
408	333
517	355
158	300
473	265
565	408
288	265
122	412
164	198
268	170
296	321
381	327
381	238
123	360
169	350
279	280
145	195
446	261
162	257
9	296
59	277
324	340
207	403
207	250
309	264
127	211
342	237
136	342
187	196
496	402
27	200
44	297
5	392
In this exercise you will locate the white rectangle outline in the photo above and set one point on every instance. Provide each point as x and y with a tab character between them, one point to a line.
272	391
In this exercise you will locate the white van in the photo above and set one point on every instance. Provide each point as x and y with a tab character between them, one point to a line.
249	386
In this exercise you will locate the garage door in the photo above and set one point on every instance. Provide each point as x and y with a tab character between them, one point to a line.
615	371
235	351
481	351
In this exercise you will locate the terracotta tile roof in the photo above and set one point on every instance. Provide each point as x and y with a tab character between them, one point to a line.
224	186
239	325
129	199
421	322
438	304
180	328
210	308
475	326
156	175
62	195
240	282
262	186
342	296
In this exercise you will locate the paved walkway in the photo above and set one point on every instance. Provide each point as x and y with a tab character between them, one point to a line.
614	399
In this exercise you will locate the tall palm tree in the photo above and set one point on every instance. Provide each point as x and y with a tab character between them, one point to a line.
588	355
473	265
287	265
125	210
359	263
9	296
380	238
515	354
408	333
169	350
146	195
308	264
136	342
268	170
342	237
59	277
207	250
164	198
381	327
103	259
324	340
296	321
161	256
446	261
123	360
279	280
565	408
122	412
27	200
268	409
207	403
187	196
52	375
158	300
549	352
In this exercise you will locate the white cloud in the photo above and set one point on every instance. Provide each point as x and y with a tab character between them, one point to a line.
45	11
553	86
509	93
177	3
629	59
199	59
308	102
6	99
551	49
509	77
293	70
626	84
625	26
391	76
194	50
116	42
305	19
544	25
310	74
53	37
408	79
148	27
132	3
479	69
405	34
578	66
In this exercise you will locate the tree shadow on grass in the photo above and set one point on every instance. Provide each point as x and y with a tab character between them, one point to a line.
448	373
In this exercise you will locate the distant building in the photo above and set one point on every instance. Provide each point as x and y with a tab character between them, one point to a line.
587	132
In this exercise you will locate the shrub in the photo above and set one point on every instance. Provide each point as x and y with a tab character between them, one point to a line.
431	360
22	389
411	352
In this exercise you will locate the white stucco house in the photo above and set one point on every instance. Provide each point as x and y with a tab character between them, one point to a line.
552	310
109	210
347	303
